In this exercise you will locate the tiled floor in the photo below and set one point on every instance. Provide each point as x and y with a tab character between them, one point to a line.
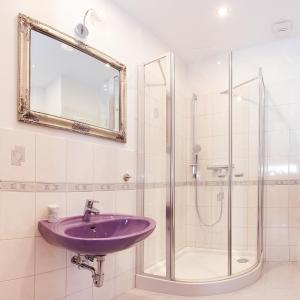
279	281
195	264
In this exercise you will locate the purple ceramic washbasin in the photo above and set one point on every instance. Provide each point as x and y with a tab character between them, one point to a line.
103	234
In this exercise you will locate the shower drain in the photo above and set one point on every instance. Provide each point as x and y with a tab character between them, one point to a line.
242	260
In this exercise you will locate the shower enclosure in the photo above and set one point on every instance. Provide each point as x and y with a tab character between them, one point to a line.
200	175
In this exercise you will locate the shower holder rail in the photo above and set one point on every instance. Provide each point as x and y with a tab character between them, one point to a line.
218	167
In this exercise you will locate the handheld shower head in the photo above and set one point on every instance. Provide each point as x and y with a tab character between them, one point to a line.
197	148
194	98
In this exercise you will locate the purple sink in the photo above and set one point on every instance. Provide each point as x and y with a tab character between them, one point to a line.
102	235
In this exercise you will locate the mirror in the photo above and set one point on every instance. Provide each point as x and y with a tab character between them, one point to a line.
66	84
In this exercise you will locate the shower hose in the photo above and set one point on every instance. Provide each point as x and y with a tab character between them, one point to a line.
220	198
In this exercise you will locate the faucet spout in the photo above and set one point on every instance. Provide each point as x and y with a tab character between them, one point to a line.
89	210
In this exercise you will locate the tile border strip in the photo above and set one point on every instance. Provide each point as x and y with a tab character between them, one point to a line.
56	187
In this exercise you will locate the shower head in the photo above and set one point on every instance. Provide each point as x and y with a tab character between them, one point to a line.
197	148
194	98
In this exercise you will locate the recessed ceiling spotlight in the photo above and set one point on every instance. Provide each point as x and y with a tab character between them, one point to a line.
239	98
222	11
218	62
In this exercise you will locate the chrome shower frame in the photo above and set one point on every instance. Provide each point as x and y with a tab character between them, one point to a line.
170	201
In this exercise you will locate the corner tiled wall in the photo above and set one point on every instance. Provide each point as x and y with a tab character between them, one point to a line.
38	170
211	134
282	201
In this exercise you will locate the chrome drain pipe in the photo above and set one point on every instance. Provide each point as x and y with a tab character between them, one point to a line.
82	262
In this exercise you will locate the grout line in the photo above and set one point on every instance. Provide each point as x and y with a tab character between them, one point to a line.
17	278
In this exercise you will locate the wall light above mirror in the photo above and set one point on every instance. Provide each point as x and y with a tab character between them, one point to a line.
64	83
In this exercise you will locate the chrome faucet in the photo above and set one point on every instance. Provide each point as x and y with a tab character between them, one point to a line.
89	209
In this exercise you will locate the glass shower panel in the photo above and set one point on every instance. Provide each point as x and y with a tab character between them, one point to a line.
245	159
156	177
202	156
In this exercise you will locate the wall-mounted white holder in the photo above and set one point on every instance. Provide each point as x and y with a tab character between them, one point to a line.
53	213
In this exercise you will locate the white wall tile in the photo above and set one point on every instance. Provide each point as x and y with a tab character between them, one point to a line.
77	280
106	292
51	285
294	142
276	217
18	289
294	195
294	236
125	260
19	251
86	294
50	159
126	202
80	162
278	117
107	201
105	164
295	253
277	167
17	168
17	215
124	282
110	267
294	110
294	167
294	217
277	236
277	253
276	196
48	257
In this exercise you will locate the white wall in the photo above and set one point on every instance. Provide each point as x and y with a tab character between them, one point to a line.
32	155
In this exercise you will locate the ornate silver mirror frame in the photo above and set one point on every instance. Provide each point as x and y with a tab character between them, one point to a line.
25	114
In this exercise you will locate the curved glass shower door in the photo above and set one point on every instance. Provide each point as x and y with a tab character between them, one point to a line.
247	158
201	206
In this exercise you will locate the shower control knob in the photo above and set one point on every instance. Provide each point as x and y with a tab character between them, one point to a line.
239	175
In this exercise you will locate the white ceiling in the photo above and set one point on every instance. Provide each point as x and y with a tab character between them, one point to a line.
192	29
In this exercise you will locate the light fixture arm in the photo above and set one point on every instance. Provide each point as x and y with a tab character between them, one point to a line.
86	14
81	29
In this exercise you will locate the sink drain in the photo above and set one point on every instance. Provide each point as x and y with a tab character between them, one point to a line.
242	260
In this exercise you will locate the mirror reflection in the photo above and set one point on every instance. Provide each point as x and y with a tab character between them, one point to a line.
68	83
